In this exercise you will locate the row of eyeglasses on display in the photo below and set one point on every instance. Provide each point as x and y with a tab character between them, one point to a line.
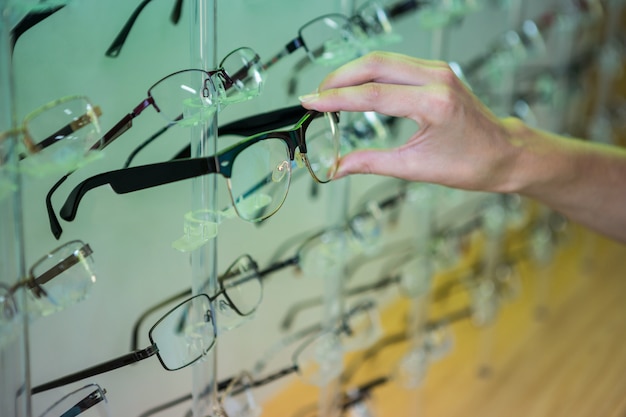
62	136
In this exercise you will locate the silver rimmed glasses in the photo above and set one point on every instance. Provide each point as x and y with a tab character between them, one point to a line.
55	137
89	400
185	97
190	96
58	279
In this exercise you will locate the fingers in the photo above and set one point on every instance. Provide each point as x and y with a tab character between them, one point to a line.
390	99
387	83
380	162
385	67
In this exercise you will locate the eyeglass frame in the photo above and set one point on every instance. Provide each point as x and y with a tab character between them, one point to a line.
137	355
90	400
34	148
34	283
125	123
309	335
127	180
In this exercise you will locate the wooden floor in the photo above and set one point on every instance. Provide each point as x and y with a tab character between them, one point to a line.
570	362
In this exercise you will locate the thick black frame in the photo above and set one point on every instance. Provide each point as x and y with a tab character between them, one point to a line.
242	127
138	178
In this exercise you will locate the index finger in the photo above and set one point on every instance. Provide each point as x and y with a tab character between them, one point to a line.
386	68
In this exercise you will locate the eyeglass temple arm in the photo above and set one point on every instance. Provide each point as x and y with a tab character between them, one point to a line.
132	179
30	20
55	226
292	83
107	366
123	125
92	399
69	128
61	267
403	7
266	380
295	309
120	39
221	386
148	141
294	44
135	333
256	124
362	391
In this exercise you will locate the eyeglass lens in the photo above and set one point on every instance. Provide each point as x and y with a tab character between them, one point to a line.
59	135
179	349
243	286
330	40
262	171
184	95
66	276
243	67
190	96
319	359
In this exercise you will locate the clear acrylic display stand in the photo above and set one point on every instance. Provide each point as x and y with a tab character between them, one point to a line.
494	229
328	401
14	371
203	54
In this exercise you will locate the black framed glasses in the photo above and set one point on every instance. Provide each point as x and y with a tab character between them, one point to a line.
61	278
257	170
89	400
116	46
187	332
55	137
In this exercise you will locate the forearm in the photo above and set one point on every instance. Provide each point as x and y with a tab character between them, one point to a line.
582	180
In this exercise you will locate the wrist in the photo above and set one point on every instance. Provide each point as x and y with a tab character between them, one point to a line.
538	160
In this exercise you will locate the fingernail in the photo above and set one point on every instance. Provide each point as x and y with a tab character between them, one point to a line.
308	97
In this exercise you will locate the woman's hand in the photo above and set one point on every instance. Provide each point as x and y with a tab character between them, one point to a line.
459	142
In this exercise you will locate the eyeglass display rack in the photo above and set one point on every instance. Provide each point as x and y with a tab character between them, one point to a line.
205	261
14	371
203	140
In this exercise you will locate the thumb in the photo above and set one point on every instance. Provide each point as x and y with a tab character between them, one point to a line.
372	161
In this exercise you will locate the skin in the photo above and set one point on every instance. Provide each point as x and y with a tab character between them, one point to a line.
460	143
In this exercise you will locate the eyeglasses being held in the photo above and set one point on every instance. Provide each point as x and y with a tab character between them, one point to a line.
257	169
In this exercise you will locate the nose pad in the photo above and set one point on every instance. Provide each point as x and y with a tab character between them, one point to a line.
299	159
224	307
280	171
